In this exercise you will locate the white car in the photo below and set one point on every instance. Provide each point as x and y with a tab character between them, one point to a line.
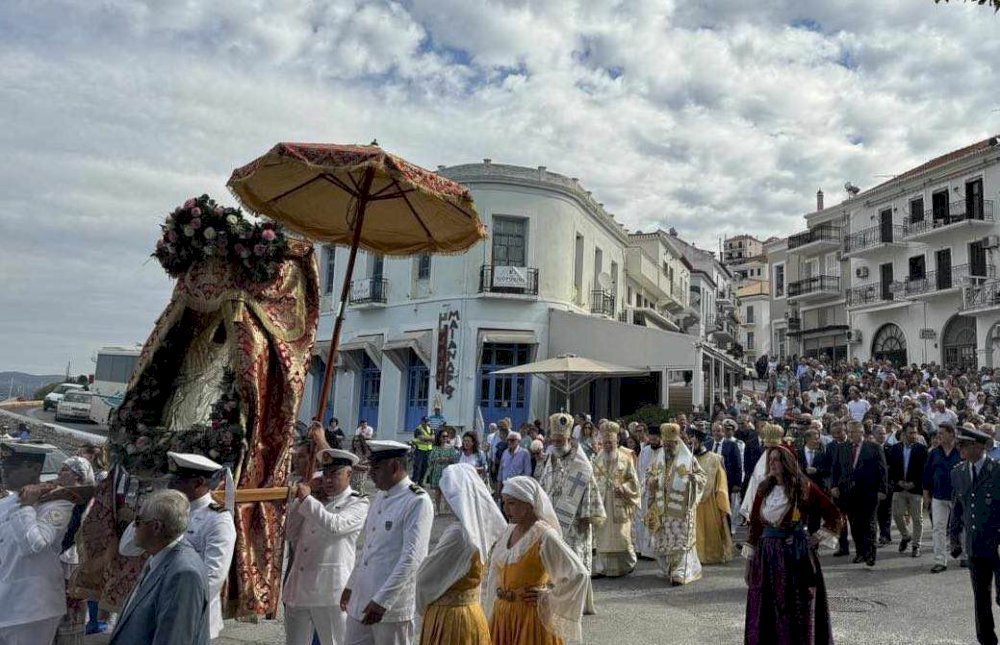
75	405
53	398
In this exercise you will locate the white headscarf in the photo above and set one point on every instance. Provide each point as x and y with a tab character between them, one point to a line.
476	511
530	491
82	468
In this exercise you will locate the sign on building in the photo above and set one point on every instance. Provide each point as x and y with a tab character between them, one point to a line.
507	277
928	334
447	353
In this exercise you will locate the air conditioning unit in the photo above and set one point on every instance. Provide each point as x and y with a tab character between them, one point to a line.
854	336
861	272
990	241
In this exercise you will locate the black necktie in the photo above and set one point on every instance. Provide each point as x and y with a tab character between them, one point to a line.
974	475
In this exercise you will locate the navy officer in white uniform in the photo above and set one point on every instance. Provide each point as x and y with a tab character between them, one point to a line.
380	598
211	529
322	527
32	588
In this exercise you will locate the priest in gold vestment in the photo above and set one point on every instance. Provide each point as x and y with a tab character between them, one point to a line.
614	471
712	534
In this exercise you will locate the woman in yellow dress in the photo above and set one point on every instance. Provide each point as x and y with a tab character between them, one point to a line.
449	578
536	586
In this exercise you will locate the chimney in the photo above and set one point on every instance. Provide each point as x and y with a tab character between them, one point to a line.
819	200
487	161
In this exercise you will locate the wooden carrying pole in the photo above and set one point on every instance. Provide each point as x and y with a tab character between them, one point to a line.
250	495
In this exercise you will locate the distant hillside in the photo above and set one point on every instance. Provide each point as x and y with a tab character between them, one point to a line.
25	384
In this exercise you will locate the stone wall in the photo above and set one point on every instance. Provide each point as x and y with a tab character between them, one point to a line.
65	439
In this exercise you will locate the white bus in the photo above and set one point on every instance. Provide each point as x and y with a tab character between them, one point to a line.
111	376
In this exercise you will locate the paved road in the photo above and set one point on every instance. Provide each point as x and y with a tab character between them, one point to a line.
897	602
50	417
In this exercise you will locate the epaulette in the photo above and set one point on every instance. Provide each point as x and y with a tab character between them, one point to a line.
357	494
960	465
218	508
416	490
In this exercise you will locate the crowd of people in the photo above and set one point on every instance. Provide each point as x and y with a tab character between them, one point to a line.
815	453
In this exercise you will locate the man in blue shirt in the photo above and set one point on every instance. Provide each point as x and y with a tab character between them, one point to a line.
938	492
515	460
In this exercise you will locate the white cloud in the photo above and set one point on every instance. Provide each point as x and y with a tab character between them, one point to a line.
711	116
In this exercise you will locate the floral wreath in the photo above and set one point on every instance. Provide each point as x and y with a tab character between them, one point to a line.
201	229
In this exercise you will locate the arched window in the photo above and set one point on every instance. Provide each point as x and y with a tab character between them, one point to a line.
889	344
958	342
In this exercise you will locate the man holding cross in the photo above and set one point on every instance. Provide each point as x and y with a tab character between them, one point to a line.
568	479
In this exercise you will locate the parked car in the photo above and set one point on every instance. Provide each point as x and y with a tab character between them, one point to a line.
75	405
53	398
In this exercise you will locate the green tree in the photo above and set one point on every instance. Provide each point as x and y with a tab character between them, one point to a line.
992	3
41	392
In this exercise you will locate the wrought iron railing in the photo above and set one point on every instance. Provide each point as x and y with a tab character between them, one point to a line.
508	279
977	296
602	302
956	276
872	237
815	284
956	212
822	233
369	291
873	293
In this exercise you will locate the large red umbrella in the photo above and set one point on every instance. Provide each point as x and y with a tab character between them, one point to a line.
360	196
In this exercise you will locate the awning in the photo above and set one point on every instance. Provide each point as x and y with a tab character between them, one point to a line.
350	351
505	337
397	349
619	343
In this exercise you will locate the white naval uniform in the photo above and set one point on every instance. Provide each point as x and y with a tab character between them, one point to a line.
32	586
212	532
396	536
323	540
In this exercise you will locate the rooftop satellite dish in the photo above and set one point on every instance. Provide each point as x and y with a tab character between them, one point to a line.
604	281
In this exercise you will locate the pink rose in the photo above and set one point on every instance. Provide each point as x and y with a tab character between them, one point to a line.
142	442
172	236
259	249
190	203
196	222
269	234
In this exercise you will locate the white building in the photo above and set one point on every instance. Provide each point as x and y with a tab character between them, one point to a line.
921	249
556	275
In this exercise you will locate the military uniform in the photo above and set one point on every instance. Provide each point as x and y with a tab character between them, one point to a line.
396	536
323	541
977	511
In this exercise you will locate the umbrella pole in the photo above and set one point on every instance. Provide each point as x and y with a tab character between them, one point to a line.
344	293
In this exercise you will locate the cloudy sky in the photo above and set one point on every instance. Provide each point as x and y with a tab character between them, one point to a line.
711	116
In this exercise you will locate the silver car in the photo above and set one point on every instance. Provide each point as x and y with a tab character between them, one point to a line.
75	405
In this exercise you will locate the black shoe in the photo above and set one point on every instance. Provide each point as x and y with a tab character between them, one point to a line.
905	542
963	563
938	568
839	553
870	561
884	540
916	552
858	558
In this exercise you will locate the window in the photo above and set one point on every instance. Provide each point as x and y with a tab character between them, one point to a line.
917	210
329	254
578	268
749	340
781	342
424	267
749	314
918	268
779	280
509	241
114	369
614	278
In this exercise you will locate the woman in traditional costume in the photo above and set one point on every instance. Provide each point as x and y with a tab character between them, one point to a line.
75	471
448	581
786	595
537	586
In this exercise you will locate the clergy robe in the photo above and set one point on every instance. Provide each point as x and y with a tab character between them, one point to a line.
643	540
715	542
619	487
675	482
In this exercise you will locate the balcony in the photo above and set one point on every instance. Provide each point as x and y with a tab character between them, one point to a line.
935	283
721	328
932	222
508	281
646	317
981	298
876	295
602	303
818	287
824	237
872	238
371	292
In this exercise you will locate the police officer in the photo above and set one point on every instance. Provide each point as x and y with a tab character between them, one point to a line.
323	539
380	598
32	591
211	529
976	485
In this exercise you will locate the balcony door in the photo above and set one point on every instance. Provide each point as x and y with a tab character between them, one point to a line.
885	277
510	241
939	205
974	199
977	259
885	225
378	273
943	260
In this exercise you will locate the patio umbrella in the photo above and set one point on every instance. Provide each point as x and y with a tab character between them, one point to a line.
362	197
569	373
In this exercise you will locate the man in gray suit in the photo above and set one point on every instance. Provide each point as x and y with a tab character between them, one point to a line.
169	605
